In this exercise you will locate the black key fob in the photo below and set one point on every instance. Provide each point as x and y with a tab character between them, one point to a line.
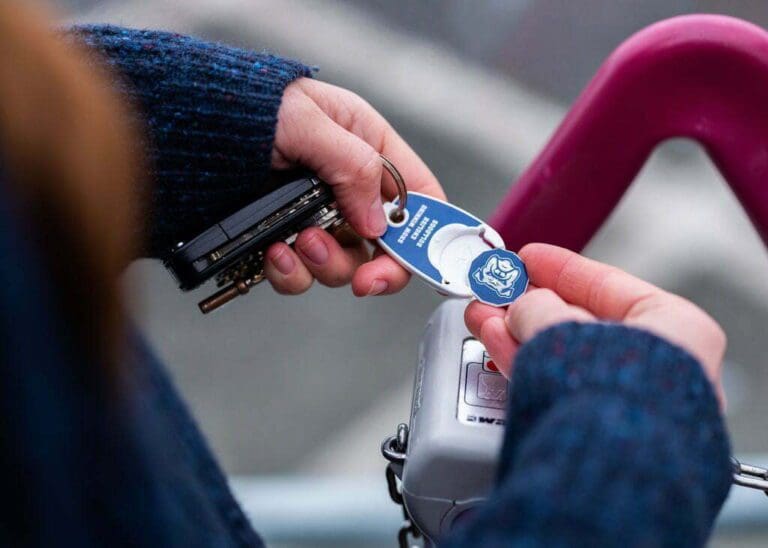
232	251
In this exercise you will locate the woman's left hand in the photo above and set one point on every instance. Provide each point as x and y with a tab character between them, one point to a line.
340	136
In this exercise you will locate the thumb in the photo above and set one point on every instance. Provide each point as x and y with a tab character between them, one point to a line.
306	135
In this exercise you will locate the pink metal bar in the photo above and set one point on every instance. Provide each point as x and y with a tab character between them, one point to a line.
703	76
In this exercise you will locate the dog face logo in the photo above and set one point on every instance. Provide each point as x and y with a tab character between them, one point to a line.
499	274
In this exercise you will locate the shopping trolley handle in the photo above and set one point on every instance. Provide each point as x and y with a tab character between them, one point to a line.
704	77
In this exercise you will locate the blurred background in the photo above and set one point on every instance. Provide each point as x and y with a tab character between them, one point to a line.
296	394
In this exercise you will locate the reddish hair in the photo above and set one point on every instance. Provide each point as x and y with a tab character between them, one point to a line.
70	156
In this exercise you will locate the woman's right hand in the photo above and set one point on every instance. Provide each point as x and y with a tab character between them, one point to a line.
568	287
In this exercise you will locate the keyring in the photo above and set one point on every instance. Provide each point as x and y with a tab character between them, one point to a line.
398	214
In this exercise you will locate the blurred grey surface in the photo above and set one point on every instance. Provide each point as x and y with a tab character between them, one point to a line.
551	46
311	384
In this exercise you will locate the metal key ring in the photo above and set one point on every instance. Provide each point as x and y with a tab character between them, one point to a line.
396	215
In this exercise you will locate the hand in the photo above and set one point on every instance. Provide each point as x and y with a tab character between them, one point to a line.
569	287
339	136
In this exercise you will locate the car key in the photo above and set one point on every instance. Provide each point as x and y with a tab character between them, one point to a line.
232	251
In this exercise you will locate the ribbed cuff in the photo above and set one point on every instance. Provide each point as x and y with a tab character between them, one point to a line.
662	380
211	114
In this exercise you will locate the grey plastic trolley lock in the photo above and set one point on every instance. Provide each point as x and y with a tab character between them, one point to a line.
443	463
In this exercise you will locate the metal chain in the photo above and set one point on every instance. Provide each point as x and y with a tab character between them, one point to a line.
747	475
394	450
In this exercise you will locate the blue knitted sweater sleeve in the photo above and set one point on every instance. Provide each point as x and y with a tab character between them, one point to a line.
210	111
614	438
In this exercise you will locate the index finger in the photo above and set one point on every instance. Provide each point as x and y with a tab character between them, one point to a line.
605	291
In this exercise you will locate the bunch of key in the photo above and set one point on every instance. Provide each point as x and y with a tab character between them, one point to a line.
451	250
231	252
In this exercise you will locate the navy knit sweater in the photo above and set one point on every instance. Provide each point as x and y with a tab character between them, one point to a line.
614	435
211	113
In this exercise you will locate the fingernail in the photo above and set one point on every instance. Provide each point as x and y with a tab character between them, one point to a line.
315	250
377	223
377	287
283	263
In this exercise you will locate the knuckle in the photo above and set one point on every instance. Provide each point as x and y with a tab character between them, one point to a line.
296	115
302	84
353	104
367	168
514	311
538	295
650	302
292	91
527	249
597	287
295	104
307	116
356	101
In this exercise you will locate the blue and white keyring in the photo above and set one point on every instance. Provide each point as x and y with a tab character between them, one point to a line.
450	249
443	245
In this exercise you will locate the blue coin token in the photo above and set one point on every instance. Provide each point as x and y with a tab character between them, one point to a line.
497	277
